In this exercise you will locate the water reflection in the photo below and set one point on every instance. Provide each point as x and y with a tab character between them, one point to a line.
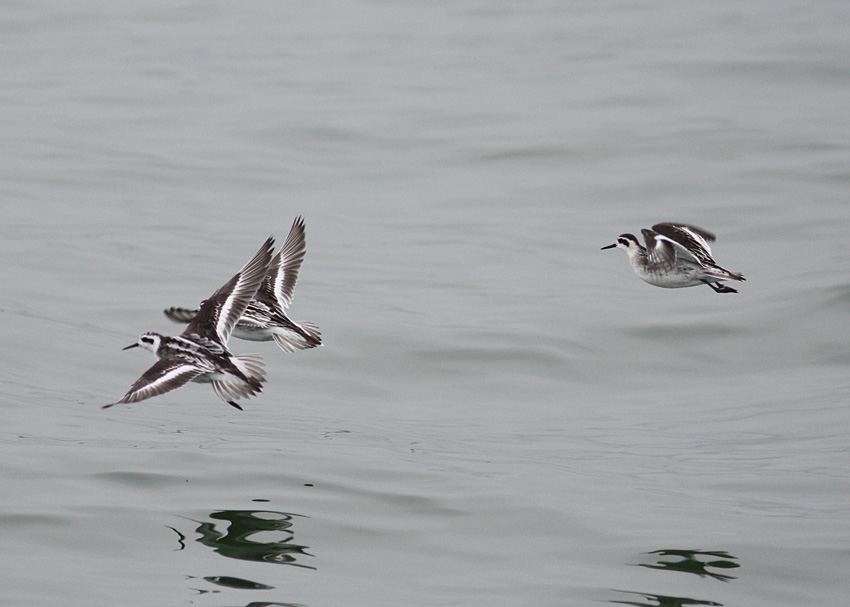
659	600
244	535
698	562
241	584
236	582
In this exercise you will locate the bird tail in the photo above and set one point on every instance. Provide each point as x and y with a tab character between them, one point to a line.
251	366
724	274
302	336
180	315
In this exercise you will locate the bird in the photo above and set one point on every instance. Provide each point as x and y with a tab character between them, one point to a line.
265	318
676	255
200	353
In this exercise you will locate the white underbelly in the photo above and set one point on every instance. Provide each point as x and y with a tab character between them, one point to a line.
250	333
208	378
672	280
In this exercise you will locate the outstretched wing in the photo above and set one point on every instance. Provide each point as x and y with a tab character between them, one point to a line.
221	311
684	238
282	275
164	376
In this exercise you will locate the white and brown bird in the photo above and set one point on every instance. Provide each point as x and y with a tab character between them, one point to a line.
200	353
676	255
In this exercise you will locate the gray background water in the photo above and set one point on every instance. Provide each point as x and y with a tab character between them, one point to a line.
502	413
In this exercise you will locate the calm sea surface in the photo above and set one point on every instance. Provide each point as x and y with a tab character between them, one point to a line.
502	414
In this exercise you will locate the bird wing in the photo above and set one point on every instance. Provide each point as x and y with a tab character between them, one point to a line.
164	376
282	275
688	239
660	250
220	313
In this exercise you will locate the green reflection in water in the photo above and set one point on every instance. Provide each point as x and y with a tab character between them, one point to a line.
659	600
703	563
243	538
698	562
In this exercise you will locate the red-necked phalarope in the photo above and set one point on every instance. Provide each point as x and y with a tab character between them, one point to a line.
200	353
265	318
676	255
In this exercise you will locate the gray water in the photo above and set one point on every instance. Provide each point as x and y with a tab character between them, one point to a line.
502	414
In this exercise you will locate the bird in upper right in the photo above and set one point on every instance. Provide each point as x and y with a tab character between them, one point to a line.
676	255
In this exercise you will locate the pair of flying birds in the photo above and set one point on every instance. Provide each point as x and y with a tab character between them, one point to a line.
251	305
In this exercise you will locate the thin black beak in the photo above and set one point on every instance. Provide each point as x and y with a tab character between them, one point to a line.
131	346
610	246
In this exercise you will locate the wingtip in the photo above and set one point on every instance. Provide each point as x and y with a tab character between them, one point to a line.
674	225
266	251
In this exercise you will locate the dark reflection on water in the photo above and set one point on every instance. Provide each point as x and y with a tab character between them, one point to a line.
236	582
698	562
659	600
181	539
240	540
242	584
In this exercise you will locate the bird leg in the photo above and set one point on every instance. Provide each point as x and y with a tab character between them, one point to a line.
720	288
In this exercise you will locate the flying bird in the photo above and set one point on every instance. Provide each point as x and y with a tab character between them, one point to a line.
200	353
676	255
